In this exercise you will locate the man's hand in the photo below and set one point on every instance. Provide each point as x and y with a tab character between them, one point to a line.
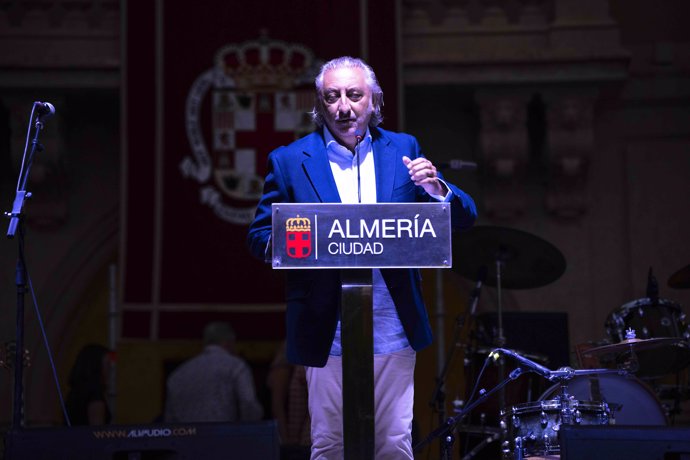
423	173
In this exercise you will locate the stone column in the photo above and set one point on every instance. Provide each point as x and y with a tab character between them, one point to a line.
505	149
570	145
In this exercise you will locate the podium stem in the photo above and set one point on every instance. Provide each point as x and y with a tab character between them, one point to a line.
358	364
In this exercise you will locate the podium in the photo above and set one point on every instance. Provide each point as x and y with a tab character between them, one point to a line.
357	238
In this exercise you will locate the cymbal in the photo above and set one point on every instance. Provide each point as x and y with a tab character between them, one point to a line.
527	260
680	279
631	345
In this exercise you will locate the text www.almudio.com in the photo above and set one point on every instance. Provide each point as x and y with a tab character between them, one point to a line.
145	433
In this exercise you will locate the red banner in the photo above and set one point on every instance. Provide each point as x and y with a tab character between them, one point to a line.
209	91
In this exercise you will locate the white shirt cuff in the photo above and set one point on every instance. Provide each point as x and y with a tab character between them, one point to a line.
445	197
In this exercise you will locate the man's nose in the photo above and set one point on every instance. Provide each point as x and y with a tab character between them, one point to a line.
344	105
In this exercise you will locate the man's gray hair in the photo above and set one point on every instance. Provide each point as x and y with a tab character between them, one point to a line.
369	76
218	332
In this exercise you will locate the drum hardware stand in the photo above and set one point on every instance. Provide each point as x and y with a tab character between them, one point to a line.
445	431
679	394
677	397
500	340
438	397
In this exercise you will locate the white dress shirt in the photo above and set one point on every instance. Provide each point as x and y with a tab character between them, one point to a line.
389	335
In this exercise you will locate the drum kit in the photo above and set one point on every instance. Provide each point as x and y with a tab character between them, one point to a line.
616	380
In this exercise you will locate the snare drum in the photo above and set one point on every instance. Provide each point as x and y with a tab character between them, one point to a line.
653	318
533	427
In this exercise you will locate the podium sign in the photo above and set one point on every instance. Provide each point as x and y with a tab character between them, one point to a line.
382	235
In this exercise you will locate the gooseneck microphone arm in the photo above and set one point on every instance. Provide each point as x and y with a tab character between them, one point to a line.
527	363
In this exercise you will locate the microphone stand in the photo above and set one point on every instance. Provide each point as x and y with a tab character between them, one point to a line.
16	226
446	430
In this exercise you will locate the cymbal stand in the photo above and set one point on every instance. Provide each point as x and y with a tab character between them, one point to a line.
500	339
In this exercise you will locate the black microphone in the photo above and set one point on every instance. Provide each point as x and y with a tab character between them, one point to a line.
528	363
44	109
456	164
476	292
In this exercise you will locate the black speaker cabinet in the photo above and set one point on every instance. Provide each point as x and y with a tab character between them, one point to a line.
193	441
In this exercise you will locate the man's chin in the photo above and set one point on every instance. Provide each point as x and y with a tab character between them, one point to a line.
342	129
346	127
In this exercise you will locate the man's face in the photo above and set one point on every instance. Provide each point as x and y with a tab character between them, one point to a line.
347	99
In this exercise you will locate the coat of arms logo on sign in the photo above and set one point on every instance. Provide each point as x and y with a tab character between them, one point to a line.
257	96
298	237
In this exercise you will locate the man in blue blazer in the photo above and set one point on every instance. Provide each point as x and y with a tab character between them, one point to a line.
322	168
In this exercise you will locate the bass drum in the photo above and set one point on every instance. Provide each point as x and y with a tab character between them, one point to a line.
630	401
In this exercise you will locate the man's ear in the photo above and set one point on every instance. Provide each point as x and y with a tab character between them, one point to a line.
378	100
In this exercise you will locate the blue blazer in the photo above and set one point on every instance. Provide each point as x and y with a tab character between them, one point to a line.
301	173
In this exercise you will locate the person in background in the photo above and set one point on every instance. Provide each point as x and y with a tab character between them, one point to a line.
214	386
322	168
86	400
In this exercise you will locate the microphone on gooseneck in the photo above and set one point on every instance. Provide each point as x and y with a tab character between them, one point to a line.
456	164
528	363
